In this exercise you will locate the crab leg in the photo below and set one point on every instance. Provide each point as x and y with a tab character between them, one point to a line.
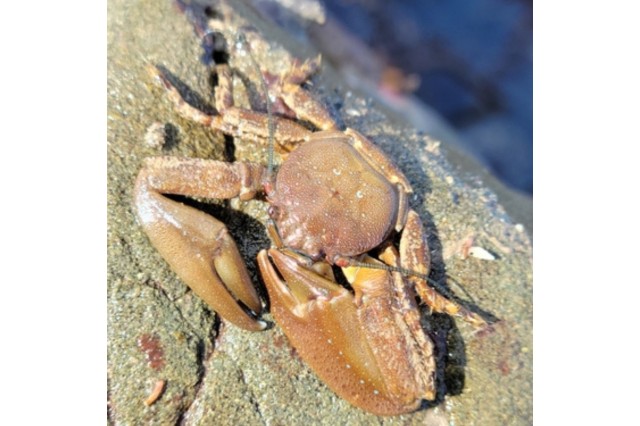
231	120
288	89
197	246
414	256
329	329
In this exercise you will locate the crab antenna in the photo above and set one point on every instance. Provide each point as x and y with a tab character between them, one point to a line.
242	41
460	286
405	271
401	270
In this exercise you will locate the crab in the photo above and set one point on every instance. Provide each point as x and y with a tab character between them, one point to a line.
336	203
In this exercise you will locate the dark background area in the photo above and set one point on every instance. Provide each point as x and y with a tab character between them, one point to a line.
473	60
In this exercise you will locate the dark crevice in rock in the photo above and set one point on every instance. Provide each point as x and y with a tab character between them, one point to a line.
252	398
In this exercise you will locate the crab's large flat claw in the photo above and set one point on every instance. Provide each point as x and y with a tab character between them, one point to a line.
321	320
200	251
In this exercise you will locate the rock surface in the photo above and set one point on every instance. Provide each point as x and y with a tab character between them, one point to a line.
218	374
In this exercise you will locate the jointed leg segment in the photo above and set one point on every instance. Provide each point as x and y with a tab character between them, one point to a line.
234	121
414	256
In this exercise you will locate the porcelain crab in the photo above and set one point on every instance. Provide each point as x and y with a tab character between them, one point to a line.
335	202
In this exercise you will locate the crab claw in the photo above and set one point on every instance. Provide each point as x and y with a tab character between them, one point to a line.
198	248
326	326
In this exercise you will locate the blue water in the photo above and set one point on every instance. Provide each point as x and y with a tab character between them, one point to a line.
474	59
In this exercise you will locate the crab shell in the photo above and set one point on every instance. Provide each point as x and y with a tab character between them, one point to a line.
330	203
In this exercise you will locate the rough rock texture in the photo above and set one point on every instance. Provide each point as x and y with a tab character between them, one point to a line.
218	374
